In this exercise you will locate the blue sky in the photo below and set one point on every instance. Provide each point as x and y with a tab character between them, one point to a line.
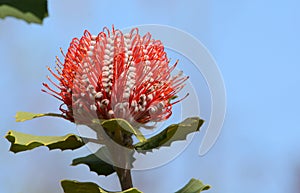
255	44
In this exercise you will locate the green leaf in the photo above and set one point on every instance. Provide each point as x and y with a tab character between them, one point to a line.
88	187
32	11
131	190
25	116
22	142
80	187
96	164
112	124
172	133
194	186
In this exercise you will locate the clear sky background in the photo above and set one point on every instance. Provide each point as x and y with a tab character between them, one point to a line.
256	45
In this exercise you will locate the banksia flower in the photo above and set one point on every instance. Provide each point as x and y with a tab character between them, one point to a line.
116	75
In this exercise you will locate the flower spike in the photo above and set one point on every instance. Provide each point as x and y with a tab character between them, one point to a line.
116	75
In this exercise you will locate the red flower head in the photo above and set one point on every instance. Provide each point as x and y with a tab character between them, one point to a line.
116	75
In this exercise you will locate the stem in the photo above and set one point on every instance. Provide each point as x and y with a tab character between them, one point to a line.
124	176
120	156
124	173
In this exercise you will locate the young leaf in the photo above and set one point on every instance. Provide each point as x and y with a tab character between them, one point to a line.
22	142
88	187
94	162
194	186
112	124
172	133
25	116
32	11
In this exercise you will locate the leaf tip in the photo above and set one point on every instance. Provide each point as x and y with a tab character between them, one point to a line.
8	136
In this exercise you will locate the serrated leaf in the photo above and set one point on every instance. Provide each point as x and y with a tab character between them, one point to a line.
131	190
80	187
32	11
95	163
70	186
112	124
22	141
194	186
25	116
172	133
